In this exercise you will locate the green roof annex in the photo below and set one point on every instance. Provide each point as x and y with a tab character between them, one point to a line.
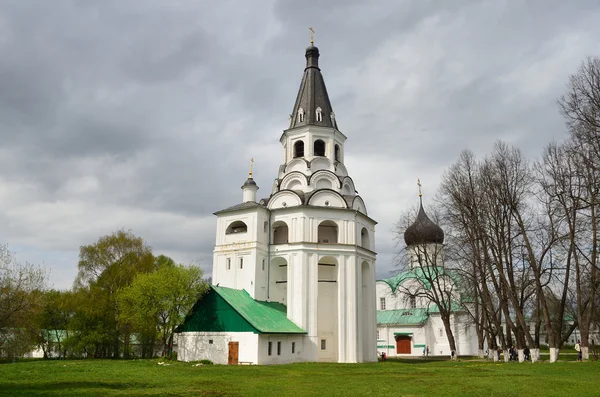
230	310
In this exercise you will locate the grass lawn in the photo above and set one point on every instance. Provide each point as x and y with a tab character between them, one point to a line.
392	378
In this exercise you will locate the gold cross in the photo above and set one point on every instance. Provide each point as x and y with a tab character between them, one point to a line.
312	35
251	163
419	184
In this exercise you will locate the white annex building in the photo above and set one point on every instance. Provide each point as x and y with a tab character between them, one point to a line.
293	274
408	323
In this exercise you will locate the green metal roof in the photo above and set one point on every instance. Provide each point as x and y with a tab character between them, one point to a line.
422	275
224	309
403	333
266	317
402	316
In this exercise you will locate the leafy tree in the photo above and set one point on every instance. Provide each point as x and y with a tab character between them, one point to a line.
105	268
156	303
20	286
55	321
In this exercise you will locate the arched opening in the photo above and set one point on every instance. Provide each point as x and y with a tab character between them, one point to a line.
280	233
278	280
299	149
364	238
337	152
328	232
236	227
327	309
319	147
319	114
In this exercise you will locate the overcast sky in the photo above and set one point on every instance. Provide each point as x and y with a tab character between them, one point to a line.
143	115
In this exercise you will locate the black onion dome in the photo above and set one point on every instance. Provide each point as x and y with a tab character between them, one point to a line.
249	182
423	231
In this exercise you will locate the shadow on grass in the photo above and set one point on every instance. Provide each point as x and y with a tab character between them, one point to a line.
417	360
57	386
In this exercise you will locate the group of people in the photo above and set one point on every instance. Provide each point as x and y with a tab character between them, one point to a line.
513	353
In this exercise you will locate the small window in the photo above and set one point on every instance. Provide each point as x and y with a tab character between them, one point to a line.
293	347
413	301
319	114
323	344
263	264
337	152
319	148
441	332
210	341
299	149
228	263
382	303
300	115
270	348
241	263
266	226
279	348
377	334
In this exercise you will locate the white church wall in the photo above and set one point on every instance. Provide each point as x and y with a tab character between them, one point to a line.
390	300
285	349
386	342
214	346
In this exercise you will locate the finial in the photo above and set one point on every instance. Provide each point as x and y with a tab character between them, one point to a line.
251	163
419	184
312	36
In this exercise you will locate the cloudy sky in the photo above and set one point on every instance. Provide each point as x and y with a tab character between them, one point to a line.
143	115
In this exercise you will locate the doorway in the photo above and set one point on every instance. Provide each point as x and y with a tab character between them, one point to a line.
232	357
403	344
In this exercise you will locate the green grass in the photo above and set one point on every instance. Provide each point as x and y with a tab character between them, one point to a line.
392	378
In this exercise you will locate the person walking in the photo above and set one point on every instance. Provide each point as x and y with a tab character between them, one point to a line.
578	350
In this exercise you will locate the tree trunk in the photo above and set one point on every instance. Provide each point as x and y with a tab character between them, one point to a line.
554	354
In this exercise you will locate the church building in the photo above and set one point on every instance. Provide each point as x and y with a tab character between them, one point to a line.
294	273
409	322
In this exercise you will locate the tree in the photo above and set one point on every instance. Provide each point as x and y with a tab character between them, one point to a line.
20	286
55	321
581	108
105	268
157	302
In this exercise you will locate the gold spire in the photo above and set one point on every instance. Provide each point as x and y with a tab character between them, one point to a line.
312	36
419	184
251	163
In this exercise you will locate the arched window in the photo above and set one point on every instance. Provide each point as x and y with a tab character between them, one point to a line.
328	232
236	227
266	226
300	115
280	233
364	238
319	148
337	152
299	149
319	114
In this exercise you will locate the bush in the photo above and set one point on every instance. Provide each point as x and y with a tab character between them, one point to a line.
206	362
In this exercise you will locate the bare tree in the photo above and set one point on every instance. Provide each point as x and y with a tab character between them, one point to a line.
581	108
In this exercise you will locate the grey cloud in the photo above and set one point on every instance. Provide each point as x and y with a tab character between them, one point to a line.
143	115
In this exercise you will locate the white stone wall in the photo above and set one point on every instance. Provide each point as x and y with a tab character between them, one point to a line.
196	346
302	350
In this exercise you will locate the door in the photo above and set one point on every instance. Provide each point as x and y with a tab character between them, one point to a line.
232	358
403	344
